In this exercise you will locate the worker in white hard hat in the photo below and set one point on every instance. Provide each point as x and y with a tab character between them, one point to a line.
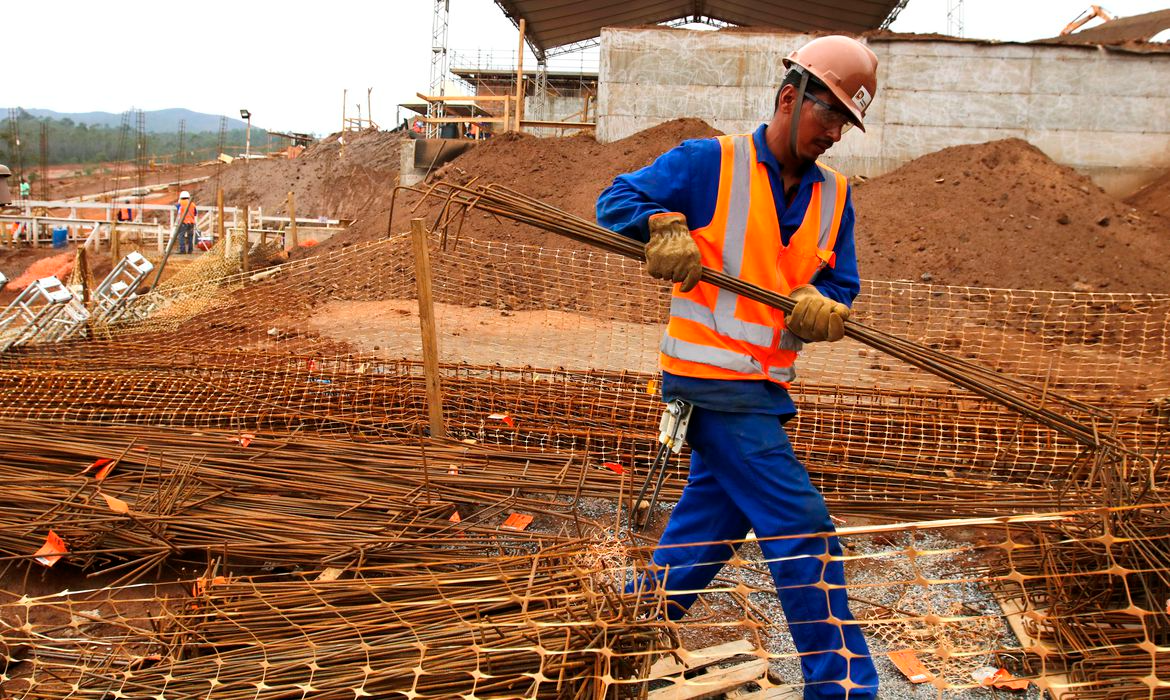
758	207
186	212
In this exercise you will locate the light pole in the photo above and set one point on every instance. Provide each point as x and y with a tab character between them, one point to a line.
247	134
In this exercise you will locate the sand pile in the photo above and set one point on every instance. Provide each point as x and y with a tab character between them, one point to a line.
1003	214
334	178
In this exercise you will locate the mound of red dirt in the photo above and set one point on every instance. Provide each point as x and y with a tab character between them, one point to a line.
567	172
1003	214
1154	197
343	176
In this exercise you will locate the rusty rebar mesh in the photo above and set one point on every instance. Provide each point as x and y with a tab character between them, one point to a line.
555	622
273	422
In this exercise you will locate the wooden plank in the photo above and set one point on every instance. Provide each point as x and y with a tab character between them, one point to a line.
699	658
520	76
430	339
293	241
453	120
785	693
714	682
557	125
463	98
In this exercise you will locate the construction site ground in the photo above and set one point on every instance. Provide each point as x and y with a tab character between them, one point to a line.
991	251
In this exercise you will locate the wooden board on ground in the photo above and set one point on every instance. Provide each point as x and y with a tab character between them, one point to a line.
713	682
714	671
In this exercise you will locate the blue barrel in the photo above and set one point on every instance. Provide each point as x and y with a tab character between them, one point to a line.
60	237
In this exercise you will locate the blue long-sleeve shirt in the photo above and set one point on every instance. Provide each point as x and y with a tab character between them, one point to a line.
686	180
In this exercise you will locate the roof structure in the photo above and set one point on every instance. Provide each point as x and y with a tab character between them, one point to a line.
554	24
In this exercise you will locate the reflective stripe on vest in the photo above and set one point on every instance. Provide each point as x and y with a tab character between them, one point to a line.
720	317
727	359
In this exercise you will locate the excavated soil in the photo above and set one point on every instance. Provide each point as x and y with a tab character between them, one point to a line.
1003	214
344	177
1154	197
568	172
998	214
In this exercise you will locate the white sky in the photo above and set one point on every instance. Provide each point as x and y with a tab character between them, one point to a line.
289	62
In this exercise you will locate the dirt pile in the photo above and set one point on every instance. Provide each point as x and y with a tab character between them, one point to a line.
568	172
1003	214
1154	197
342	176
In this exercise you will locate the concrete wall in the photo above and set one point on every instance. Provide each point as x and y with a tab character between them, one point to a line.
557	109
1104	113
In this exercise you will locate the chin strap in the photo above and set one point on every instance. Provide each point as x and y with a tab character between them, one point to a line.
792	131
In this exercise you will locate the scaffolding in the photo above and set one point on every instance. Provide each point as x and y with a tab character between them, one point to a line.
438	64
33	312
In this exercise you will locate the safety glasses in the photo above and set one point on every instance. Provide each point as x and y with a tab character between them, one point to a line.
829	116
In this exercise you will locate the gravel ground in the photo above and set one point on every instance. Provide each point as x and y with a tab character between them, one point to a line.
886	584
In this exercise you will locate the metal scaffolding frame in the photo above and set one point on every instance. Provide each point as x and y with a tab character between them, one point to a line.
438	63
34	311
117	290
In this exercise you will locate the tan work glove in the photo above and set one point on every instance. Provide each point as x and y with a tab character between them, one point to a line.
671	253
816	317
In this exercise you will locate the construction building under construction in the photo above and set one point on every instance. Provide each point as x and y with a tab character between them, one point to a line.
396	433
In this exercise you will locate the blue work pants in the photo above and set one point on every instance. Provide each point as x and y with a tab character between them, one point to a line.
745	476
186	238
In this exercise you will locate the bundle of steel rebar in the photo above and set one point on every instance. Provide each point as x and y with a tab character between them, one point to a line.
1078	420
301	501
534	625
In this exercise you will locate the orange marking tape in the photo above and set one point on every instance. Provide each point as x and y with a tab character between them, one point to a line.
908	663
614	467
999	677
517	522
52	550
116	504
504	417
455	517
105	470
97	464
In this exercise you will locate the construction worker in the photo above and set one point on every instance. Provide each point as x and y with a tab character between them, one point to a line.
186	209
125	214
25	189
761	208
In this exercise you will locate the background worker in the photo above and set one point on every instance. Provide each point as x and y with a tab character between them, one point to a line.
125	213
759	207
186	210
25	189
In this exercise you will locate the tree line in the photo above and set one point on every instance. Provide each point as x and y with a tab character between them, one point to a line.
71	142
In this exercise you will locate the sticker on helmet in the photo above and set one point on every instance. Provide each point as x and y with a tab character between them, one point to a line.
862	98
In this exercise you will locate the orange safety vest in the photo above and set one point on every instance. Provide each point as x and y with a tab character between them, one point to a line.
190	216
716	334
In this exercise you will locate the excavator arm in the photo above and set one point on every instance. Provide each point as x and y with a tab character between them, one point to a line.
1083	18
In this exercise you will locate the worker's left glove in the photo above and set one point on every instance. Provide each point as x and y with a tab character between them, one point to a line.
672	253
816	317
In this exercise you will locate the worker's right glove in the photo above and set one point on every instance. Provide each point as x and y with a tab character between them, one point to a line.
671	253
816	317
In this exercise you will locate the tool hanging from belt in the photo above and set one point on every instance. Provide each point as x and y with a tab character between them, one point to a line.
672	433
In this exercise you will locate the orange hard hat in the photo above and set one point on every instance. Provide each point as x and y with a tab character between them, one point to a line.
845	65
